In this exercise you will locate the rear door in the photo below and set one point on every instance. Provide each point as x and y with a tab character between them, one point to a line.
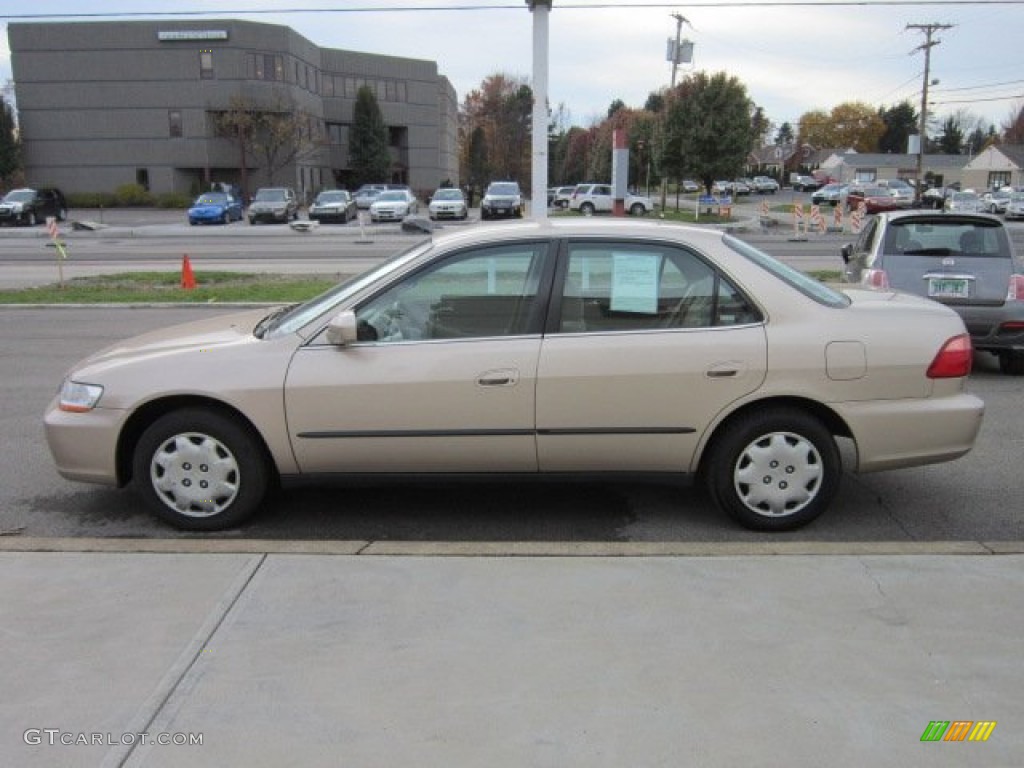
646	344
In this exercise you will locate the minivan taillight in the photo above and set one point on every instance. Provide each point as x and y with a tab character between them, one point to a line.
954	360
1016	289
876	278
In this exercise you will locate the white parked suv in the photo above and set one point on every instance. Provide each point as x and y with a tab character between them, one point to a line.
589	199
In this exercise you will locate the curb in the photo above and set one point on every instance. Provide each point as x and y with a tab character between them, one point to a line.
509	549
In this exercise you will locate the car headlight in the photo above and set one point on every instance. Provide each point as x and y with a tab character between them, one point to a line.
77	397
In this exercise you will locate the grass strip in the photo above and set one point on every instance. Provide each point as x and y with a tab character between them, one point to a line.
157	287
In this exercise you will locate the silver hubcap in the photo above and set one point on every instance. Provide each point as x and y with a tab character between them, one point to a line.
195	475
778	474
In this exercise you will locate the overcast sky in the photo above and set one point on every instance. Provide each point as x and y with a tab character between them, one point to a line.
791	59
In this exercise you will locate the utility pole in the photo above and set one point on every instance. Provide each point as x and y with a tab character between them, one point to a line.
675	66
926	46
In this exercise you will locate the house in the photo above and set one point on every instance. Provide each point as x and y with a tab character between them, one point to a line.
996	166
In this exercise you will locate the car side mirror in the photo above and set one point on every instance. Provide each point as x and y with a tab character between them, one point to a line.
846	251
341	330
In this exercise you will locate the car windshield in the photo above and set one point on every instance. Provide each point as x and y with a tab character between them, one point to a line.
299	315
963	197
448	194
877	192
212	198
389	197
1017	197
802	282
18	196
331	197
270	196
503	189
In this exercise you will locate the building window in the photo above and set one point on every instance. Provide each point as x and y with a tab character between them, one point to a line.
402	94
142	178
206	65
174	123
337	133
266	66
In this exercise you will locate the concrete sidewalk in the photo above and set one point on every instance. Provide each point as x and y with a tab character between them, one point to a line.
391	660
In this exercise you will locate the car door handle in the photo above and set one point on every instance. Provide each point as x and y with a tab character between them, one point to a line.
725	370
502	377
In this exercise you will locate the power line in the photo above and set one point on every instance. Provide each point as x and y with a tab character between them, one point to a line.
515	7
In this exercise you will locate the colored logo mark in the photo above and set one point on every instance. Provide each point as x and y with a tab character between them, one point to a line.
958	730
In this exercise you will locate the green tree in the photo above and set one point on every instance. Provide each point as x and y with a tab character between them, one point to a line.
10	148
708	131
784	135
900	122
616	106
477	169
369	157
950	140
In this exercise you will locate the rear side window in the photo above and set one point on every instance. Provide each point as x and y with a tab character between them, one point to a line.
613	287
947	237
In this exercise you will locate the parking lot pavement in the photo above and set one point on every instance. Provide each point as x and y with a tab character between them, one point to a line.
297	659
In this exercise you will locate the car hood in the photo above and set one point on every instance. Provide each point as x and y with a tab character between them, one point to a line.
205	334
207	208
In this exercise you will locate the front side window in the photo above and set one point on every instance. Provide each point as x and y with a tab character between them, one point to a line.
638	287
481	293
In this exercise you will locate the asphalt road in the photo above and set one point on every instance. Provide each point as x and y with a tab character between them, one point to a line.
974	498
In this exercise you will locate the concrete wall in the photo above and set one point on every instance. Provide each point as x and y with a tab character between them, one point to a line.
96	101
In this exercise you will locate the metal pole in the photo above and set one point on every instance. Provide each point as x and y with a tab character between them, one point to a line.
539	166
929	30
664	139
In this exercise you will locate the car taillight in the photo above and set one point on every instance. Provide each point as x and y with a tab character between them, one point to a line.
1016	289
954	360
876	278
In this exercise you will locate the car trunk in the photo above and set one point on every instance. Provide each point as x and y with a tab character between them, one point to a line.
952	279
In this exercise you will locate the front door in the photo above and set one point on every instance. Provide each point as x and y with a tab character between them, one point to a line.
442	379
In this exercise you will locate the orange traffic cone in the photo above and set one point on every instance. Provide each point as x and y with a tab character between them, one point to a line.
188	279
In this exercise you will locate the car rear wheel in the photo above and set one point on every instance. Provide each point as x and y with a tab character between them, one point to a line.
200	470
774	470
587	209
30	218
1012	363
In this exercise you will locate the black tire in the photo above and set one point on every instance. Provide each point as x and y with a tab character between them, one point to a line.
30	219
753	463
184	449
637	209
62	214
1012	363
227	218
587	209
252	221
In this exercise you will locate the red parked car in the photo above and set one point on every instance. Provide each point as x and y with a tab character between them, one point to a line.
875	199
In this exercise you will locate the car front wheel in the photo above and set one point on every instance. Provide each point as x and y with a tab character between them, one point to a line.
637	209
200	470
774	470
587	209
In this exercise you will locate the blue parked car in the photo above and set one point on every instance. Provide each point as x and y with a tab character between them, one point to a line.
215	208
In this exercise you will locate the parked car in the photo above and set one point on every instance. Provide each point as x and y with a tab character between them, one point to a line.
333	205
31	206
805	183
831	194
367	193
274	204
1015	206
765	185
996	202
215	208
502	198
589	199
393	205
689	186
562	196
739	187
875	199
965	202
964	261
568	347
448	203
899	189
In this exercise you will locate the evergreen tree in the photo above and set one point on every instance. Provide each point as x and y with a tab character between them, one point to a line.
10	148
900	122
368	144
